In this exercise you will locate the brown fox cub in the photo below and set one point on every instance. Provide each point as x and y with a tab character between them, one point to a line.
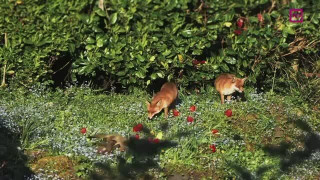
162	100
226	84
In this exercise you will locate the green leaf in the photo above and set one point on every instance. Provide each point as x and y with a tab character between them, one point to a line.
186	33
141	58
90	40
253	19
100	42
100	12
166	53
90	46
230	60
152	58
96	29
153	76
114	18
140	74
160	74
289	30
121	73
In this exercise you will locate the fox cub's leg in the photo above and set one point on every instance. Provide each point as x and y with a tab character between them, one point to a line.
229	97
222	98
166	112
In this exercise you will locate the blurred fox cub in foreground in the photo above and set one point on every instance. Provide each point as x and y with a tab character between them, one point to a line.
162	100
227	84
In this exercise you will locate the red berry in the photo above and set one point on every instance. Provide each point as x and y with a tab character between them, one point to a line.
193	108
137	136
156	141
260	17
203	62
237	32
228	113
83	130
138	127
190	119
213	148
175	112
240	22
214	131
195	62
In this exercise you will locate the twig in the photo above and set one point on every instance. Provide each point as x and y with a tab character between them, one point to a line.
3	83
273	5
101	2
61	68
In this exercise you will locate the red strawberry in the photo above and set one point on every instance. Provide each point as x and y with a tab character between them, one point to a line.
238	31
213	148
190	119
193	108
175	112
137	136
83	130
214	131
156	141
228	112
240	22
138	128
195	62
260	17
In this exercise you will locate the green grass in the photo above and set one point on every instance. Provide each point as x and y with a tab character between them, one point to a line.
268	136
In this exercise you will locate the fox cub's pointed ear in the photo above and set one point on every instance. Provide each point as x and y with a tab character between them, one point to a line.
244	79
148	104
234	79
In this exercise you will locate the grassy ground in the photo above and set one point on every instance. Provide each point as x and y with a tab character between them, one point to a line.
268	136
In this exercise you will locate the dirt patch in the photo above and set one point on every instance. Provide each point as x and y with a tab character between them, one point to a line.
61	166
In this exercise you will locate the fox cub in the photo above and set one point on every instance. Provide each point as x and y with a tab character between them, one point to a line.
162	100
227	84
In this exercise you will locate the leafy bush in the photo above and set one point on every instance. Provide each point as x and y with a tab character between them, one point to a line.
135	43
38	33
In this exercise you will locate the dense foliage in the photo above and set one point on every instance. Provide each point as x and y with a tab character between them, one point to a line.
134	43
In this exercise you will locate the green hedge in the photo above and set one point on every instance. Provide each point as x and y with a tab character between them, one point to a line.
134	43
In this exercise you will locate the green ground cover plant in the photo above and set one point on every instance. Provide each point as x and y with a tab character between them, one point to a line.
267	136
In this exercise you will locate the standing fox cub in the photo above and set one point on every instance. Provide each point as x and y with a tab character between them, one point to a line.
162	100
226	84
